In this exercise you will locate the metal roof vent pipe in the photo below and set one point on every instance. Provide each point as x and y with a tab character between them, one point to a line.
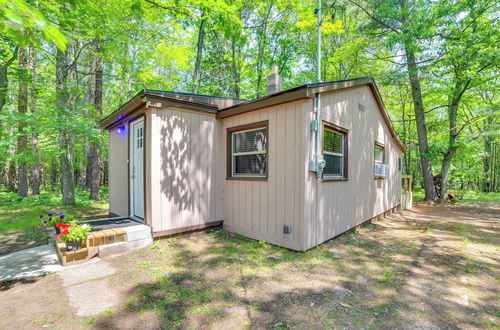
274	81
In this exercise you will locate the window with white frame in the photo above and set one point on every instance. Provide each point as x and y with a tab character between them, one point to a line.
248	151
334	152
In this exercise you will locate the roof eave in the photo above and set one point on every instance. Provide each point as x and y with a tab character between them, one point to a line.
146	100
266	101
123	112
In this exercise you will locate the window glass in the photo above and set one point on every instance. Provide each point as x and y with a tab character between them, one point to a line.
333	152
249	153
333	141
249	141
334	165
250	164
379	154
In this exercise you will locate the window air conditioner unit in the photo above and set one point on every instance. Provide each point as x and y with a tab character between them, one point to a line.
381	170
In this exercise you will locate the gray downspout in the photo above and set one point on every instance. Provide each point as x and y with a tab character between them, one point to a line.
319	158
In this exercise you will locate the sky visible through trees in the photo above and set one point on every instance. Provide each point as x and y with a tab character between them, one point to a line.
66	64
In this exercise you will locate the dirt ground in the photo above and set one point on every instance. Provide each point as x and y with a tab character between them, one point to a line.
430	267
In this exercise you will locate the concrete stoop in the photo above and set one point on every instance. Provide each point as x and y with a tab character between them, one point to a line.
138	237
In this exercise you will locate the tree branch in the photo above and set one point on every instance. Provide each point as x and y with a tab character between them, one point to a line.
390	27
437	107
169	8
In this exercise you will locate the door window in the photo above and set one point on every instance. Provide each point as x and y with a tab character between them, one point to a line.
139	137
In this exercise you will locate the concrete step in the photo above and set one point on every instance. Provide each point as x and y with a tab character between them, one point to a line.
114	249
139	244
137	232
138	236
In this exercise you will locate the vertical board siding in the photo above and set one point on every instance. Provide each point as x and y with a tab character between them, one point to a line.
118	171
152	170
342	205
189	185
259	209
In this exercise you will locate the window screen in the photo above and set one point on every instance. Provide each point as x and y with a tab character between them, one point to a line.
333	152
249	153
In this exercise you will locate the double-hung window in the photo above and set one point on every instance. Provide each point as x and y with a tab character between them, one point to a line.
247	151
334	152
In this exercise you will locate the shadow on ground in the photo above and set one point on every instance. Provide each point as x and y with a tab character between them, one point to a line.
428	268
20	239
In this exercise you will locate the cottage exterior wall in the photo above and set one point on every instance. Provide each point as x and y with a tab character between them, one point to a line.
333	207
185	171
185	181
260	209
118	171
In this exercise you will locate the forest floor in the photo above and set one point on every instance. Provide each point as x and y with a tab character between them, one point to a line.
20	226
429	267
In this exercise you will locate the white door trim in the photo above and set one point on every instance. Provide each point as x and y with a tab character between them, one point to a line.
132	144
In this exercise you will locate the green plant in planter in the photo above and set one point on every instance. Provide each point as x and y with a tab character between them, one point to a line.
74	235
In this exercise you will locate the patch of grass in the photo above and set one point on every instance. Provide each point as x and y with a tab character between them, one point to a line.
172	294
253	306
106	312
469	197
387	278
89	322
471	265
155	246
418	195
462	230
410	250
491	325
43	322
19	213
478	197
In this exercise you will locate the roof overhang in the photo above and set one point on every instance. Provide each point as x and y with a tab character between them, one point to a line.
263	102
144	100
150	99
309	91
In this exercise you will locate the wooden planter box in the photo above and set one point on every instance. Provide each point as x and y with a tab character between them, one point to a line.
90	247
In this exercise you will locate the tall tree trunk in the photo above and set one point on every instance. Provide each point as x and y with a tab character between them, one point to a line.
11	176
11	167
36	172
22	139
487	159
4	88
235	68
199	53
95	161
4	79
261	52
459	90
88	153
416	90
66	141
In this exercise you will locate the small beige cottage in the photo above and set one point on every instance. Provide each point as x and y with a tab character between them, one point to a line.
294	168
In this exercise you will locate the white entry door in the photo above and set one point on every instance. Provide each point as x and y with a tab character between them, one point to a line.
137	169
